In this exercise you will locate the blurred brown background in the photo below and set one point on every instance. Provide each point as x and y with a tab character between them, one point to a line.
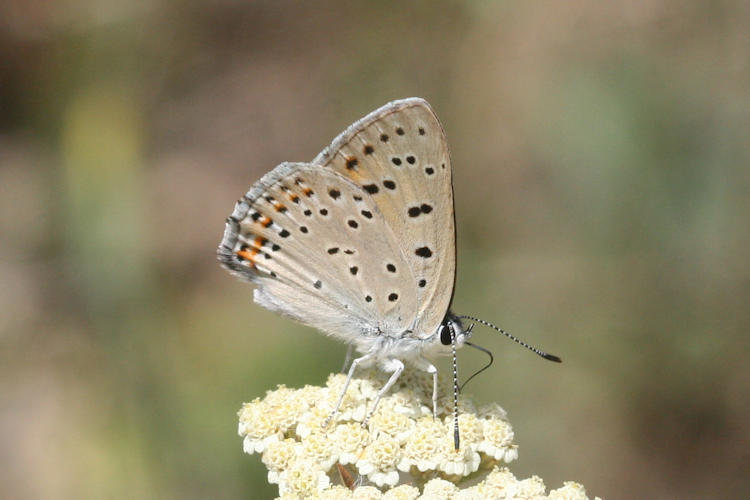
603	199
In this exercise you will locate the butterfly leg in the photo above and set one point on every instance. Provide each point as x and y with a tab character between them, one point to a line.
348	358
425	365
355	363
392	365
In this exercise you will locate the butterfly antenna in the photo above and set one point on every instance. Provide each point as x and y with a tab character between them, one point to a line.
456	438
550	357
486	351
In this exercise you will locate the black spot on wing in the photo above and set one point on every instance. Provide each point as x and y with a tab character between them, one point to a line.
423	252
418	210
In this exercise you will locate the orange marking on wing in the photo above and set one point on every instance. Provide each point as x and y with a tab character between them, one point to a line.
266	221
294	198
307	191
354	175
250	256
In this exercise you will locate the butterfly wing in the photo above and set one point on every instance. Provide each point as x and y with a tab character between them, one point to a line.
398	154
308	237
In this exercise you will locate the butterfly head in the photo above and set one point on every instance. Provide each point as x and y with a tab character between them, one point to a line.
452	331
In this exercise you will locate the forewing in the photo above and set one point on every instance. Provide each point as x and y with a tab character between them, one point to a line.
320	251
399	156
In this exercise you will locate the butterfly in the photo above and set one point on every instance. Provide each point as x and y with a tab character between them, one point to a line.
360	243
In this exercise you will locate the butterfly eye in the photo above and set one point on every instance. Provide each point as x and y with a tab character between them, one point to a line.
445	334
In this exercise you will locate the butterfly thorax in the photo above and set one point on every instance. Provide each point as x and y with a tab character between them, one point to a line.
408	346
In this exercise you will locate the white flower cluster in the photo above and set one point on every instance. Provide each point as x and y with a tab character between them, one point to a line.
499	484
401	444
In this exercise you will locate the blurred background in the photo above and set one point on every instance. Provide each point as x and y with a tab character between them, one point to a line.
600	155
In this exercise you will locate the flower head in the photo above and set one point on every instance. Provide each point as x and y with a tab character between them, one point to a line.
302	479
402	448
379	460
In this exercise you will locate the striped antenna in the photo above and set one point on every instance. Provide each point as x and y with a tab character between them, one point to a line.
550	357
456	438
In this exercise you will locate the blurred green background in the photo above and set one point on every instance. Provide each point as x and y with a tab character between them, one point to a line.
602	181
